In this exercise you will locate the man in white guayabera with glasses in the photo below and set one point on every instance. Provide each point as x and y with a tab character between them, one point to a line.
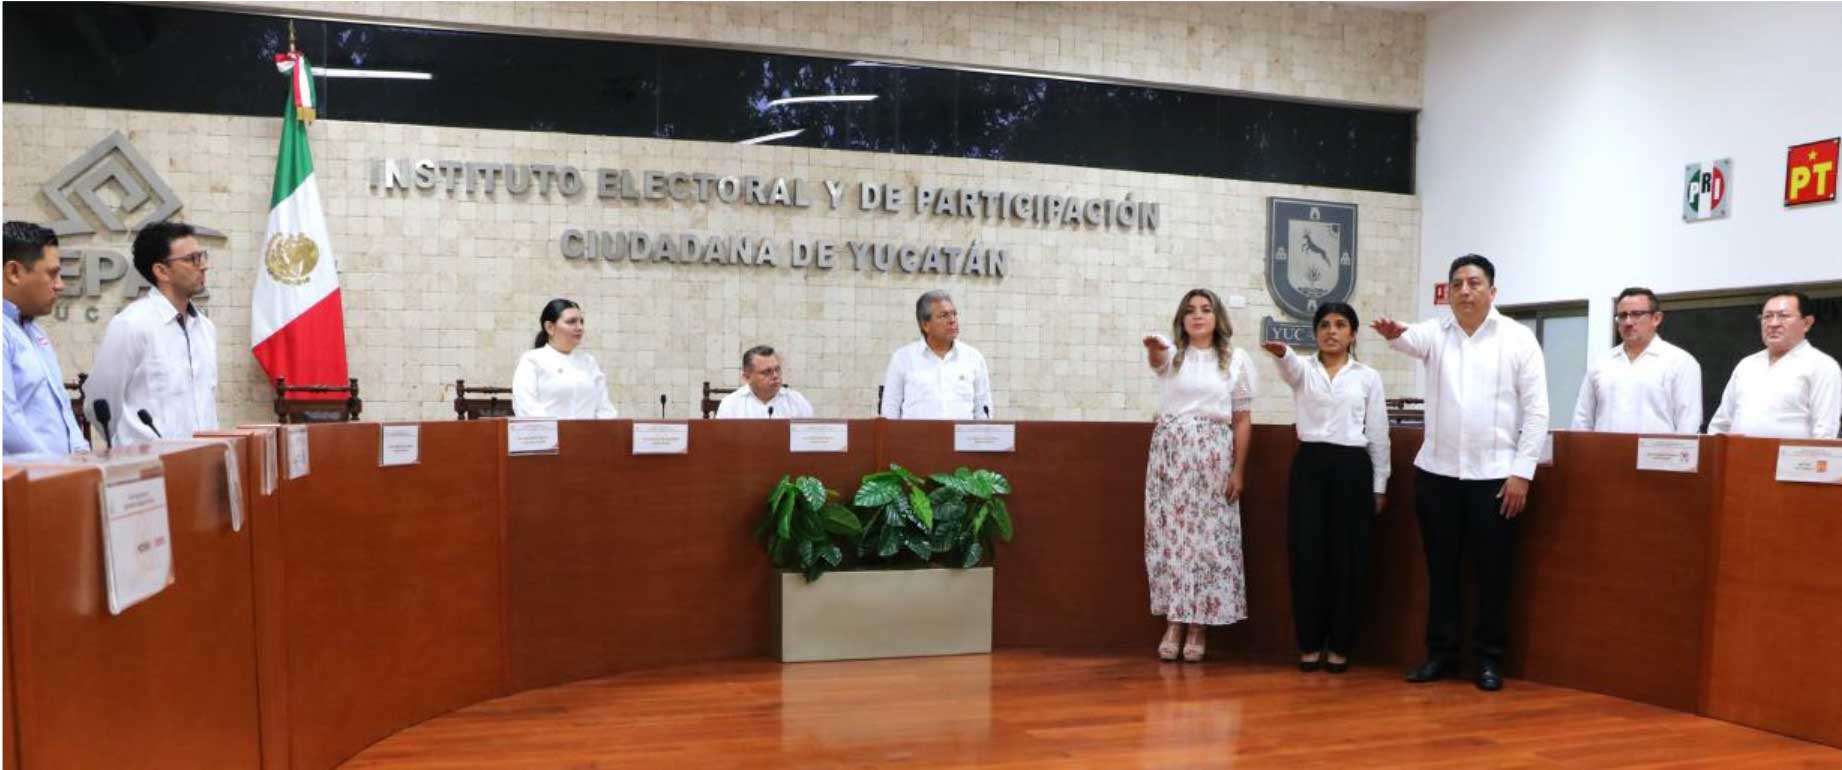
1788	390
1643	384
157	366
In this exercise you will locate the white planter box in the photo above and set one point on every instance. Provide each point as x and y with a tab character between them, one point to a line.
896	613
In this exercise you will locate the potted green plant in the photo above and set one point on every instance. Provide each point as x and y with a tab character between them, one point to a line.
908	578
805	528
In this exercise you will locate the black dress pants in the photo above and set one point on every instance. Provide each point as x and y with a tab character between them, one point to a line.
1330	521
1455	514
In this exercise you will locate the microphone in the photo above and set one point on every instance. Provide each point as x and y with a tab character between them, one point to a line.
770	412
661	406
988	411
147	419
102	416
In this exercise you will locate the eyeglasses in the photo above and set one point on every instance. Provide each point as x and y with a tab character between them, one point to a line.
198	258
1631	315
1777	315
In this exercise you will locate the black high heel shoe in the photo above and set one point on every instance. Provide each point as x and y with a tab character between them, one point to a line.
1309	666
1337	668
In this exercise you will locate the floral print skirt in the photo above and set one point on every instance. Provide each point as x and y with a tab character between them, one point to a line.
1192	533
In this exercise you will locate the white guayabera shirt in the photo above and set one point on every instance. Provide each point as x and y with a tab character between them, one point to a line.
155	358
1486	397
919	385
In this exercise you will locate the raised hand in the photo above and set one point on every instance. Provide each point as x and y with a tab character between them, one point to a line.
1388	328
1278	349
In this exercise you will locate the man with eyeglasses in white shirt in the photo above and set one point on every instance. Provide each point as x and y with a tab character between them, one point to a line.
1788	390
762	395
1486	420
157	365
1643	384
936	377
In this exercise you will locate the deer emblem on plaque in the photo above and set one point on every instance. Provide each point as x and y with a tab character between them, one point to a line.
1310	260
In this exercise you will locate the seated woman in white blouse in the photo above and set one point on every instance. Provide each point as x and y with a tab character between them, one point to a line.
553	379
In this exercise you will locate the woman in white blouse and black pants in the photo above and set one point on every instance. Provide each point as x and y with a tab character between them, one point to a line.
555	378
1194	477
1339	484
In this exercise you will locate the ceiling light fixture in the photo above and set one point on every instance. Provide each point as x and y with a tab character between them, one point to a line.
817	99
774	137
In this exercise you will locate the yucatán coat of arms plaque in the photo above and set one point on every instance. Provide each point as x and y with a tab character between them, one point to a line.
1310	260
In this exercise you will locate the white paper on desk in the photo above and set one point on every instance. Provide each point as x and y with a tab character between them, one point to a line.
661	438
271	461
1677	455
399	445
136	542
233	484
818	437
297	451
1547	449
1810	464
530	437
985	437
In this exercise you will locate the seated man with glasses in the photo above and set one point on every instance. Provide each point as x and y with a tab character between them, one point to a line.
1643	384
762	395
158	357
1788	390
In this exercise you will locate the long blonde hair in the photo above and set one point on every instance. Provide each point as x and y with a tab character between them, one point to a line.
1224	331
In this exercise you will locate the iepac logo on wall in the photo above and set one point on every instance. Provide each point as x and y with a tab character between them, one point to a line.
1810	172
1310	260
114	184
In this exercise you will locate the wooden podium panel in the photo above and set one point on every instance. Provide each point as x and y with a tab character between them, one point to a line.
360	600
616	561
16	495
1075	574
1612	572
392	585
261	520
170	682
1775	661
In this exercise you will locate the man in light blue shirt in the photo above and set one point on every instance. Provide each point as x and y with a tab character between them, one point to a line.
38	416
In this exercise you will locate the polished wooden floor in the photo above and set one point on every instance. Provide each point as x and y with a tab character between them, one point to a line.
1024	709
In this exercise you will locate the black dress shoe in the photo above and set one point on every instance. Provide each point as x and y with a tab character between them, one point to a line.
1337	668
1309	666
1489	679
1431	670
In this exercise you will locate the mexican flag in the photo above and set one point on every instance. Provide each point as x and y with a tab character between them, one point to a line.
297	326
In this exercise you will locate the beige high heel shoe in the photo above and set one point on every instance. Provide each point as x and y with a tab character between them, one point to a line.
1167	649
1193	646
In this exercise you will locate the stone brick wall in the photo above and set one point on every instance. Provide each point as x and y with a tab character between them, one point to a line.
440	286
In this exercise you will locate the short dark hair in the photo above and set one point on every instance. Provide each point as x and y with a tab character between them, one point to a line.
1490	270
749	355
1803	301
155	243
26	242
1639	291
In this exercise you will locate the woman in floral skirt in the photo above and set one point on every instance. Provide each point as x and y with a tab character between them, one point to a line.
1195	475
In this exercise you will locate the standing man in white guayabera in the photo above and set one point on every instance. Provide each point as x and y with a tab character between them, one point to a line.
157	365
297	320
1788	390
1486	419
1643	384
937	377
